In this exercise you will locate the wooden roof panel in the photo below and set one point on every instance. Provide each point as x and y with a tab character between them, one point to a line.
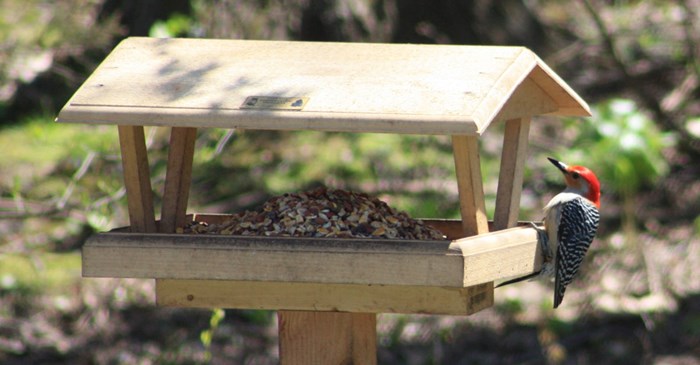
394	88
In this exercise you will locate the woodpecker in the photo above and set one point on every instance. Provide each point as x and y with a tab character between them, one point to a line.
570	223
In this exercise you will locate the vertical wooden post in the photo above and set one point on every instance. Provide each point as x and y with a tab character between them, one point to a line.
178	178
470	185
510	179
308	338
137	178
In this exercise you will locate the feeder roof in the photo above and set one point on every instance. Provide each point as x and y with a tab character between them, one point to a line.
352	87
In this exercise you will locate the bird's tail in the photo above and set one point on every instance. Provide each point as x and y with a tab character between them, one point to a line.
517	280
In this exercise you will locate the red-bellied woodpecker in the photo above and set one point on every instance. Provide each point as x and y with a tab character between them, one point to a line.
570	223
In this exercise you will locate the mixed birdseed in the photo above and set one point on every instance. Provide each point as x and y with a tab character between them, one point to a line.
322	212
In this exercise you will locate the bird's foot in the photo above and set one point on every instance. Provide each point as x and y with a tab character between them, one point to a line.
543	240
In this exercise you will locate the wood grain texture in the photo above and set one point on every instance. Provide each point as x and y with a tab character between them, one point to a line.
527	100
351	261
178	178
457	264
327	338
499	255
569	103
323	297
510	178
470	185
423	89
137	179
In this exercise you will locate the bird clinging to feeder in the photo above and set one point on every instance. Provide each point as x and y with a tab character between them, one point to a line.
570	224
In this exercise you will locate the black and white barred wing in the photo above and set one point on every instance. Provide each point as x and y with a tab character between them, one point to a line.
578	226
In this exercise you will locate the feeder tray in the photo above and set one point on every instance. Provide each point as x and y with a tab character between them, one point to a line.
186	84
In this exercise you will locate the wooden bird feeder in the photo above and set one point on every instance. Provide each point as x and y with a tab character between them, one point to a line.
327	291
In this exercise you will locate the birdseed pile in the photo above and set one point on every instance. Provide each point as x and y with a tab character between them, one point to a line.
322	212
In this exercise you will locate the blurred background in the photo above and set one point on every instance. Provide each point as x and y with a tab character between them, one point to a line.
636	301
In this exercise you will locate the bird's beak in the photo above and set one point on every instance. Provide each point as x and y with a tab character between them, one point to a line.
560	165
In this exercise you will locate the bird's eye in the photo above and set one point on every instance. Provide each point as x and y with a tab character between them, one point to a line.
575	175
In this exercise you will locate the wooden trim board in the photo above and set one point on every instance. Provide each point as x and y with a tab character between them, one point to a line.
323	297
454	264
499	255
351	261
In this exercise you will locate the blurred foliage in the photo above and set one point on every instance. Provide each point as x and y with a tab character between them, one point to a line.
56	171
177	25
626	151
40	36
622	144
644	50
35	273
414	173
206	336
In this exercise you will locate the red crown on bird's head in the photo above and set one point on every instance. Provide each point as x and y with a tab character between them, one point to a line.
581	179
593	193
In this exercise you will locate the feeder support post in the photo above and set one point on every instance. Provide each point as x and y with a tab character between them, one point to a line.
327	338
470	184
510	179
137	179
178	178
